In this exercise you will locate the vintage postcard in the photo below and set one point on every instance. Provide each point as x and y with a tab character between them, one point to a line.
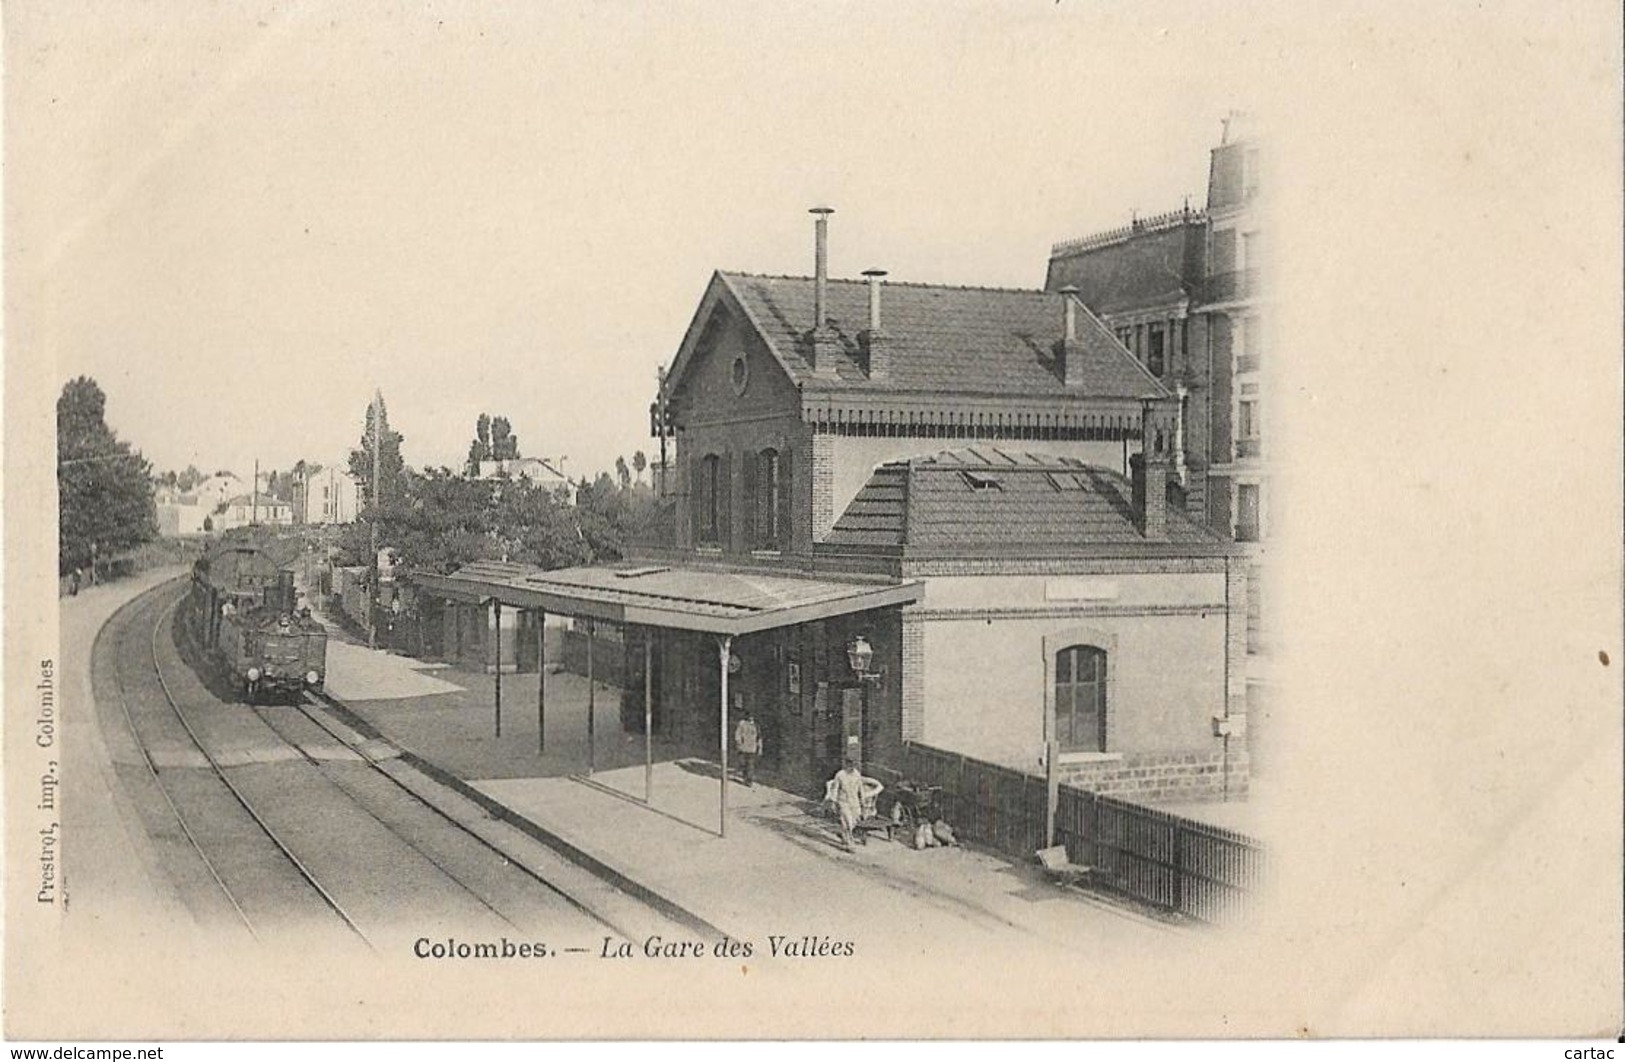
759	520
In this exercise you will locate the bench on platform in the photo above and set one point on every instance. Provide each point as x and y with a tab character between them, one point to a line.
1059	867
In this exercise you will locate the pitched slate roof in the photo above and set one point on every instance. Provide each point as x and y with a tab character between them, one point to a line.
1152	262
985	499
993	341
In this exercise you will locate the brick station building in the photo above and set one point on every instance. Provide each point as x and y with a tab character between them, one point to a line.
1002	449
903	512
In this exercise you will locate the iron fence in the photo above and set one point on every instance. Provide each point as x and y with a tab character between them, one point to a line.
1193	868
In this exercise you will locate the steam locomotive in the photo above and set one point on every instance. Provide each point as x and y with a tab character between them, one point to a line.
245	615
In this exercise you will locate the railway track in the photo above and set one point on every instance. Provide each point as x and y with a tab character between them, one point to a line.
288	819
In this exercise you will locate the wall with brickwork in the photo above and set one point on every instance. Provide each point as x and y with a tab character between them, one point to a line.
718	419
912	682
1154	777
822	450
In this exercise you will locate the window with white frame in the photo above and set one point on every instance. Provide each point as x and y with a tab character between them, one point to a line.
1247	419
1080	699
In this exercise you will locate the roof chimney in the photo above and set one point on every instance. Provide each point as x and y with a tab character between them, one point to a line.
825	343
874	340
1148	471
875	277
1069	352
820	265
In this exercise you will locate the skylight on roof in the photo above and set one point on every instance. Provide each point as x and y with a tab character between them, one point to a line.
981	480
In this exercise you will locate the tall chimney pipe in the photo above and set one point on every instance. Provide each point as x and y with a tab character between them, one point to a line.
1069	300
820	265
875	276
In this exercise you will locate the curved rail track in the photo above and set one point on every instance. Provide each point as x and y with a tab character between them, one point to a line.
291	819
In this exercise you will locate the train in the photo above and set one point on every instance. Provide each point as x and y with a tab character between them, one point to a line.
246	618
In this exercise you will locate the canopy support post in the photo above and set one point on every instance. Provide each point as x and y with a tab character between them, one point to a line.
541	681
724	652
648	715
496	606
592	748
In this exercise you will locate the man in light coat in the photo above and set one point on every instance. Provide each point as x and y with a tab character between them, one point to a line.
748	743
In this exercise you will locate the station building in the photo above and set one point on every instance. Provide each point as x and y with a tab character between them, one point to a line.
906	512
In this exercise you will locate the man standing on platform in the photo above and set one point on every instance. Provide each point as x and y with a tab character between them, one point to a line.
748	743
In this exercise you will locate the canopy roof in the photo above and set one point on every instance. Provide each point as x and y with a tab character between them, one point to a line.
656	595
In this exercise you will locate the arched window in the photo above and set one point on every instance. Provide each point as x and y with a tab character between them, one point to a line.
1080	698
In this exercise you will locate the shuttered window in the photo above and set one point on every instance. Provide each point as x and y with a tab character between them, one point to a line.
705	495
781	533
724	502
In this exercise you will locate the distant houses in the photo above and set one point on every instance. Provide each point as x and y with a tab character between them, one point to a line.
538	471
329	496
225	500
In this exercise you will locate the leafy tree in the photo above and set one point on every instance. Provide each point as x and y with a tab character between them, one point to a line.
623	475
480	449
390	464
639	463
494	440
104	489
190	478
504	443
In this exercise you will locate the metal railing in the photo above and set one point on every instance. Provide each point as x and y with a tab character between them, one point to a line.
1192	868
1139	226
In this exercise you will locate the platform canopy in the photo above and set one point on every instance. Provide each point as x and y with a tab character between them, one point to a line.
670	596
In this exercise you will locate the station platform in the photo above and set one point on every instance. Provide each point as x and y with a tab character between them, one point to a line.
780	867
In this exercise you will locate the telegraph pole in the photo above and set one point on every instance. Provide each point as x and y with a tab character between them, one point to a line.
660	424
372	595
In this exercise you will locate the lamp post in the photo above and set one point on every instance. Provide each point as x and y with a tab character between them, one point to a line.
860	655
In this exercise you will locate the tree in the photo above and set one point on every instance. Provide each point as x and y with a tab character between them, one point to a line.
189	478
104	489
623	475
639	463
494	440
480	449
390	463
504	443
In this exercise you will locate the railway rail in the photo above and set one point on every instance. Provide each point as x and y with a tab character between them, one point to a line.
289	818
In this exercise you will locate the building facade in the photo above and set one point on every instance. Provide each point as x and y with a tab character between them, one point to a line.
250	509
1199	277
330	495
1005	449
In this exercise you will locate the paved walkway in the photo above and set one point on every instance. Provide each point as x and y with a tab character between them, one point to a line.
778	872
109	862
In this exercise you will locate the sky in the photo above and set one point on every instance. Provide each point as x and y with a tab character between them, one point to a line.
253	215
